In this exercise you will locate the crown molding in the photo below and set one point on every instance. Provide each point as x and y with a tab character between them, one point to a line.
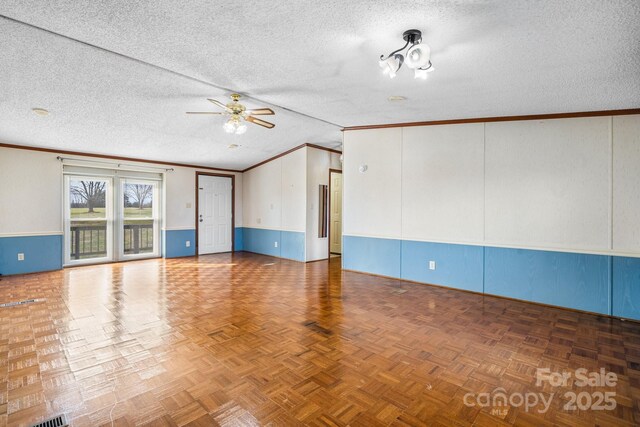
106	156
319	147
500	119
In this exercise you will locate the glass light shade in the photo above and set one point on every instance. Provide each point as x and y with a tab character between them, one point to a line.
418	56
390	66
242	128
230	126
421	74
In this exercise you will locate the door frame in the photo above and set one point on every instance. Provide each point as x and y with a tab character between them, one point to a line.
233	207
331	170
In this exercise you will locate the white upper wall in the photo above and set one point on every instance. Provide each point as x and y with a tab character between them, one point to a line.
274	193
626	184
31	193
559	184
262	196
372	199
548	183
294	190
444	165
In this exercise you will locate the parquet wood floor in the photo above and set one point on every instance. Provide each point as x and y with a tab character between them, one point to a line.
244	339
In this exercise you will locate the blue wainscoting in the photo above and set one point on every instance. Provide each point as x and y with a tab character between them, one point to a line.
261	241
41	253
626	287
175	243
457	266
291	244
238	239
595	283
578	281
372	255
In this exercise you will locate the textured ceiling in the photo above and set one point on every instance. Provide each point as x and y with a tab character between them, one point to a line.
491	58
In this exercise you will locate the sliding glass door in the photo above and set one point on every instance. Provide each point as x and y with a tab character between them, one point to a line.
139	228
88	219
111	217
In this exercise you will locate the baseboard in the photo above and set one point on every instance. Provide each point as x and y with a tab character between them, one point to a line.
557	307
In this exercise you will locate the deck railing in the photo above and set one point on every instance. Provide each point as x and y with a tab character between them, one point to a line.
90	241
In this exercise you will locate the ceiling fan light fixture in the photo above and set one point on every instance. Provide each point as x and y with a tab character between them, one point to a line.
236	114
242	128
230	126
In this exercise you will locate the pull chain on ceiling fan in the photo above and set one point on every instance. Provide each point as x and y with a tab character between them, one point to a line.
238	114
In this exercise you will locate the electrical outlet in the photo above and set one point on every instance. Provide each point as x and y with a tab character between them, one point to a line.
259	220
188	205
20	257
275	244
187	243
432	265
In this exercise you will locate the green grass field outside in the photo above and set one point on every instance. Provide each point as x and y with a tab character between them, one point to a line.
99	213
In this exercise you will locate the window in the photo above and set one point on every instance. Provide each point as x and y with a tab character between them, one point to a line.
111	215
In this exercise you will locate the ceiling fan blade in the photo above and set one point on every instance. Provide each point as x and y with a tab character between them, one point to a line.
260	122
202	112
261	112
218	103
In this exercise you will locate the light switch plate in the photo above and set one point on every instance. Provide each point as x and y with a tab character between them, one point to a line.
188	243
432	265
20	257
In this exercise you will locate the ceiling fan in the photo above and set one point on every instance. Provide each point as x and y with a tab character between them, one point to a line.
237	114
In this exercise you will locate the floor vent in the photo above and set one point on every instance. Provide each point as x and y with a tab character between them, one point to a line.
13	304
317	328
398	291
59	421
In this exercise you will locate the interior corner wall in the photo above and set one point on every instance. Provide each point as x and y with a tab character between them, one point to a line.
274	207
541	210
31	188
318	164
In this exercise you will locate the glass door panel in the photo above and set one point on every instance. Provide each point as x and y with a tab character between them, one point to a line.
88	220
139	218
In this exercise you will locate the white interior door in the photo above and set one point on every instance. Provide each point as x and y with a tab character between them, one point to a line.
215	220
335	216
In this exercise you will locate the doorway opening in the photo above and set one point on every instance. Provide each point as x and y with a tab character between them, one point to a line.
215	213
335	212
